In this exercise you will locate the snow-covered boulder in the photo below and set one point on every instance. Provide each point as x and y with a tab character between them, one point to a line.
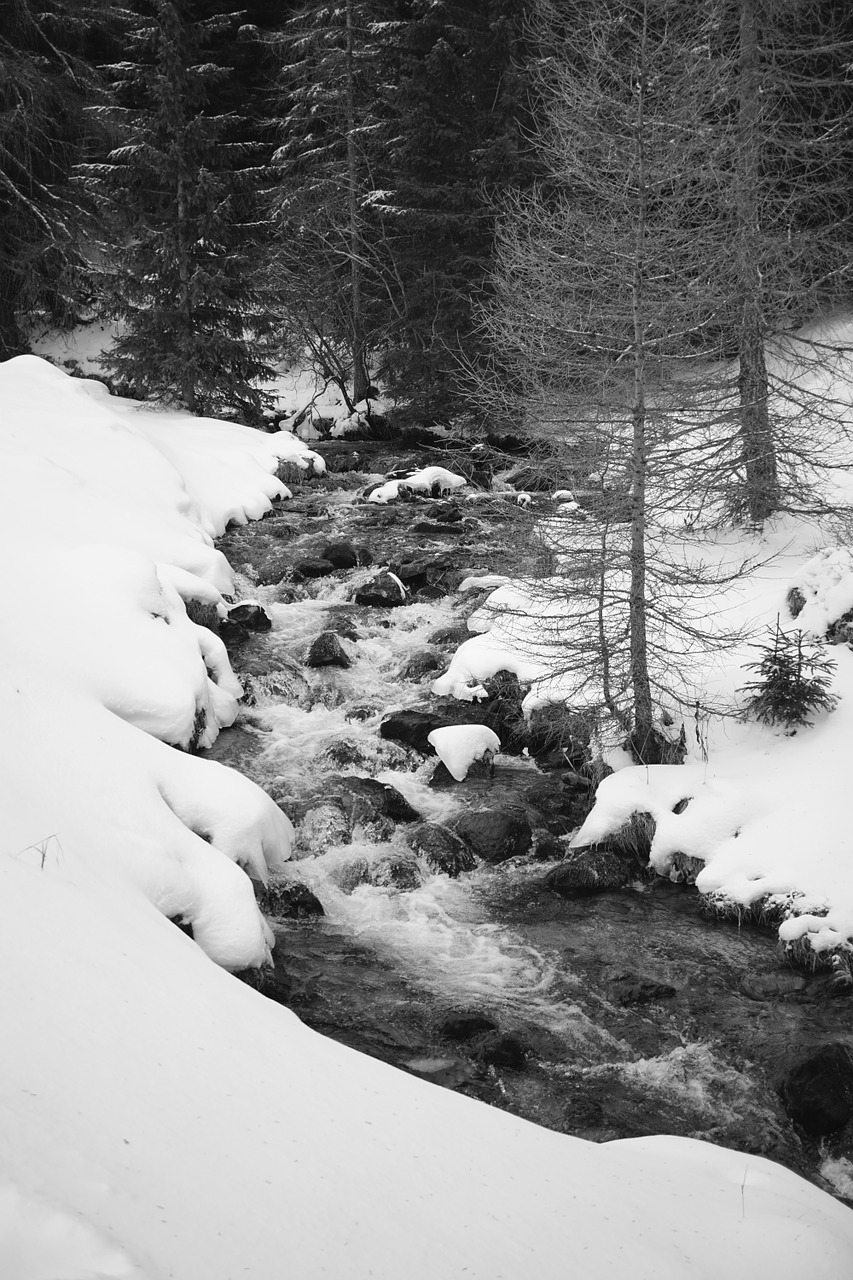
458	746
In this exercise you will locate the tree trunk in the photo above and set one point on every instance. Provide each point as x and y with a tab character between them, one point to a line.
360	380
758	450
643	732
12	339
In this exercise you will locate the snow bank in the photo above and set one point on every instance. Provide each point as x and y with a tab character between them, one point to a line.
103	667
428	480
158	1118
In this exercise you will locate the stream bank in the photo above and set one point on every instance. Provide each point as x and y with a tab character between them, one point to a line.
607	1016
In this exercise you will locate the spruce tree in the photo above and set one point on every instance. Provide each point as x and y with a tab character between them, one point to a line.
186	269
46	81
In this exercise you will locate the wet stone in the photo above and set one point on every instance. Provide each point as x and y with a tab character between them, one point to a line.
396	872
350	874
411	728
313	567
587	872
818	1092
634	988
326	650
442	848
421	663
383	591
251	616
465	1026
291	901
772	986
495	834
498	1049
346	555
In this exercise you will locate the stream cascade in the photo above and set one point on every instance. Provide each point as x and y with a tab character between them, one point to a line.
616	1015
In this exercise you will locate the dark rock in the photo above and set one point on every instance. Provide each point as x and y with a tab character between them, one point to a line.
345	752
345	555
772	986
818	1093
465	1026
285	683
495	834
435	529
326	651
397	806
446	512
314	567
442	848
250	616
292	900
323	823
231	633
421	663
498	1049
350	874
383	591
273	567
633	988
412	728
589	871
419	572
450	635
396	872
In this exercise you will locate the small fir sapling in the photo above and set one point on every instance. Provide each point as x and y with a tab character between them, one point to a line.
793	682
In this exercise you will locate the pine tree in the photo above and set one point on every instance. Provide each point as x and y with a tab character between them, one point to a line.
793	682
326	161
453	101
45	83
186	272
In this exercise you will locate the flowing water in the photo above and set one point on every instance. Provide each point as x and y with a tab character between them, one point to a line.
616	1016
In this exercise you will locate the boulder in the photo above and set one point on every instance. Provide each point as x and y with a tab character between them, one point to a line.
396	872
290	900
345	555
589	871
314	567
421	663
495	834
322	825
384	592
498	1049
411	728
326	650
348	875
634	988
818	1093
442	848
367	800
465	1026
272	567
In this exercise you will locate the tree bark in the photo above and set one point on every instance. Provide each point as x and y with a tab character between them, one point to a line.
640	685
758	449
360	380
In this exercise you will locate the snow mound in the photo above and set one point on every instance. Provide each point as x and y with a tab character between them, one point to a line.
41	1243
458	746
114	518
433	480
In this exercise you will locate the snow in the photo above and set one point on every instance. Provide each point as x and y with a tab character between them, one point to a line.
157	1117
428	480
458	746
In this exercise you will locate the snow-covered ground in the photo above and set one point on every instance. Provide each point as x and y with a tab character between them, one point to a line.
157	1117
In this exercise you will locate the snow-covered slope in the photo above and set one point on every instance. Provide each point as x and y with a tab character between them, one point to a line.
157	1117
